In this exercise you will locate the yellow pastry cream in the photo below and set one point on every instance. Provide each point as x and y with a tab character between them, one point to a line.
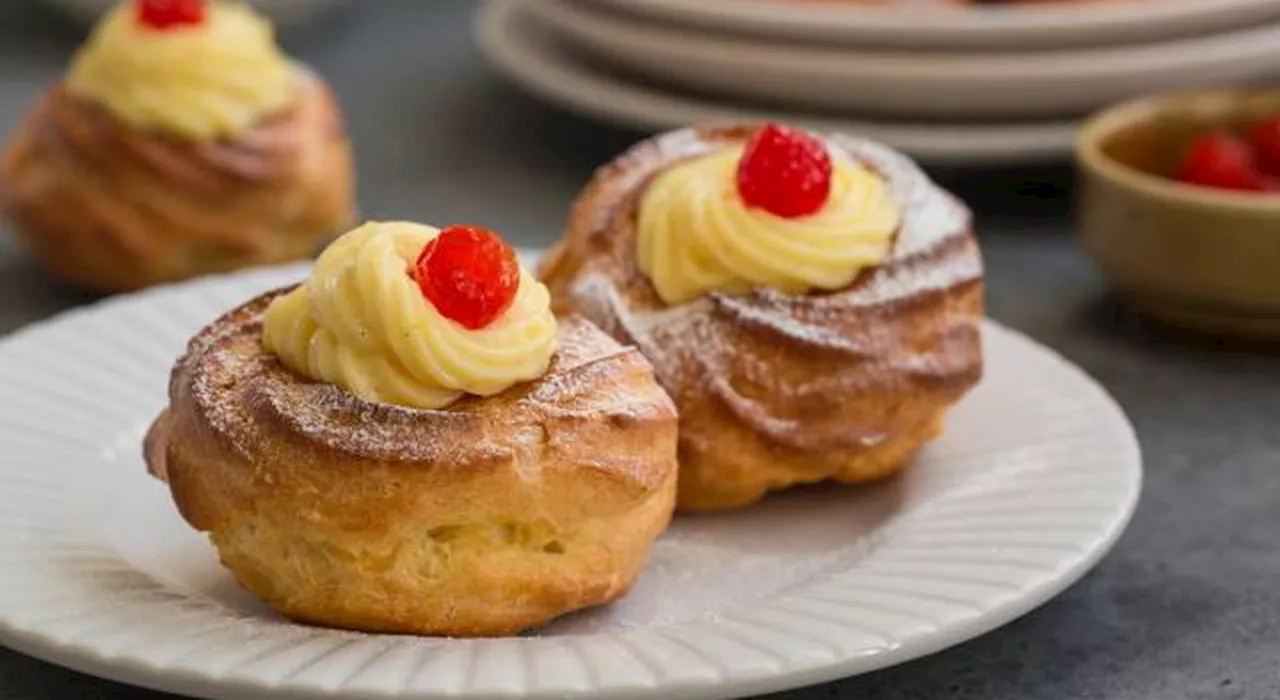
360	321
201	81
696	235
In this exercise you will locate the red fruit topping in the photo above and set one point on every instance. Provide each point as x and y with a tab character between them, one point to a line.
785	172
1265	139
469	274
163	14
1223	161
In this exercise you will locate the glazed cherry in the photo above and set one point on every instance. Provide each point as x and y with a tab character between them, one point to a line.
1223	161
1264	137
469	274
785	172
163	14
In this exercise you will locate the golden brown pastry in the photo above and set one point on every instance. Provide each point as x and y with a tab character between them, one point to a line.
826	344
172	152
511	502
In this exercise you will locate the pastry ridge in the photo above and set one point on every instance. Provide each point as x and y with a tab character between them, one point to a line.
485	518
778	389
109	207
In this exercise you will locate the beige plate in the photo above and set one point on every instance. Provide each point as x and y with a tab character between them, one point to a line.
1068	24
918	84
540	63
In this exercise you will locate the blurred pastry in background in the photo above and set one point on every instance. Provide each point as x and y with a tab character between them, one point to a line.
182	141
813	304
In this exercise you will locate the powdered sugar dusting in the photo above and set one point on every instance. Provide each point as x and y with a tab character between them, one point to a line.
249	400
755	354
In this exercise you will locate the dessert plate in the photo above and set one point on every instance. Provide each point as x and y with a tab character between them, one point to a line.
1034	479
915	25
918	84
531	56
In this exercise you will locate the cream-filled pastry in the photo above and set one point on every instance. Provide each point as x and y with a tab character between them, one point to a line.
812	304
181	141
409	441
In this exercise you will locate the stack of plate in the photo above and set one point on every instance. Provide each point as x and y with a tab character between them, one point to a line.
942	82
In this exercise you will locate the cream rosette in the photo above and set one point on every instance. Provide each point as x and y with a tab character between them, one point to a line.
696	235
361	322
205	81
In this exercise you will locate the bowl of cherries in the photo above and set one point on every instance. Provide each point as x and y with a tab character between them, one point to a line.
1247	162
1179	205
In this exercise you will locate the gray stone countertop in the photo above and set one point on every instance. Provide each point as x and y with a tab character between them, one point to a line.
1186	607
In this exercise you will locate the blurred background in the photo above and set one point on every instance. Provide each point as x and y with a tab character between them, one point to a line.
497	111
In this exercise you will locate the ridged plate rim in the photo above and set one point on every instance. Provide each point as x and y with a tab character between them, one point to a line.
782	643
975	28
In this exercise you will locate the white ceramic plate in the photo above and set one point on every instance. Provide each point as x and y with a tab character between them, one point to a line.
1035	478
521	49
914	26
912	85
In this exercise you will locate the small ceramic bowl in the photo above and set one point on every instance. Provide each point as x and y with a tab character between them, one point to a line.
1198	258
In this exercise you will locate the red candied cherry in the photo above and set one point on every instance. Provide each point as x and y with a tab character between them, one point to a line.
1264	137
784	171
1223	161
469	274
163	14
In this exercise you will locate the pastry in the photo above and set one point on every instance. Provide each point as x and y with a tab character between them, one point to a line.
180	142
812	305
425	452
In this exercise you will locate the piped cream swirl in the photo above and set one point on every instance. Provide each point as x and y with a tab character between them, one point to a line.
696	235
360	321
201	82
